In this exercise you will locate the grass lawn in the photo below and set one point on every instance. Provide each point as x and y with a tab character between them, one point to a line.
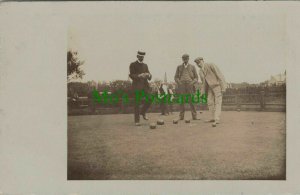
246	145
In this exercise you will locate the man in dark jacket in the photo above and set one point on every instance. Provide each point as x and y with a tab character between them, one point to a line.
139	73
185	77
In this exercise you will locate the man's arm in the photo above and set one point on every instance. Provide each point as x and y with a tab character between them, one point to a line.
201	76
195	75
220	77
203	88
132	74
176	78
149	74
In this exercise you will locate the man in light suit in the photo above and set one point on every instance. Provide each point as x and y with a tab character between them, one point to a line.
214	85
185	77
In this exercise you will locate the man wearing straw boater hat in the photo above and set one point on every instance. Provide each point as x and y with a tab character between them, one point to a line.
214	85
139	73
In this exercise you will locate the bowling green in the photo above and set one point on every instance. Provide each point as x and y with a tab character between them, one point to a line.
246	145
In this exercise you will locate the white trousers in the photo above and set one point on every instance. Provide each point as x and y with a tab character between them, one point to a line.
214	102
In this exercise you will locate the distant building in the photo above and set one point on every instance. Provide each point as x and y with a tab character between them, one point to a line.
237	85
277	79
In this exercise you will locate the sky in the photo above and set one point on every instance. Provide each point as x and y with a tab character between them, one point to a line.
247	43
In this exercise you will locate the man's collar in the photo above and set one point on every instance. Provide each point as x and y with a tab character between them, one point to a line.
185	65
139	62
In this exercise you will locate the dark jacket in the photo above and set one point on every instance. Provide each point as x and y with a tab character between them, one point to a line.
192	72
135	69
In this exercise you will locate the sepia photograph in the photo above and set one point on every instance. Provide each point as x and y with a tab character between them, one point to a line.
149	97
172	91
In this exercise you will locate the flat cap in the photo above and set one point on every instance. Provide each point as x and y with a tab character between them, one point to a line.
141	53
198	59
185	56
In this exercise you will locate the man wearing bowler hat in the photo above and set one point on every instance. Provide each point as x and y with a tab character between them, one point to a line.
139	73
185	77
214	85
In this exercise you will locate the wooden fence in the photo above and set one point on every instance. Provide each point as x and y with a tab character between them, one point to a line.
249	100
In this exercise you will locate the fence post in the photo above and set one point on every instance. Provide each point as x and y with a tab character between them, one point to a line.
92	105
123	107
237	101
262	100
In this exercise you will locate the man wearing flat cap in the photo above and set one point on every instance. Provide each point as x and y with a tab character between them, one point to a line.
214	85
185	77
139	73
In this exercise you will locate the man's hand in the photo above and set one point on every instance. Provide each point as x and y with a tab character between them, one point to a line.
223	91
202	92
194	82
142	75
178	82
147	75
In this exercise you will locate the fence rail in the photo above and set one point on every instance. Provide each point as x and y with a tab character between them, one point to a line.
263	100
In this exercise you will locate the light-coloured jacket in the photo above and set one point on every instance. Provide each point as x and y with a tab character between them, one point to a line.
211	77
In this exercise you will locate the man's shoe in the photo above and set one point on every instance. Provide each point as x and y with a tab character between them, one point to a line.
210	121
214	124
145	117
137	124
217	122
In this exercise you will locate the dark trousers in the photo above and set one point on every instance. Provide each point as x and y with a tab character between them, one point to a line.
187	89
171	108
164	108
141	111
